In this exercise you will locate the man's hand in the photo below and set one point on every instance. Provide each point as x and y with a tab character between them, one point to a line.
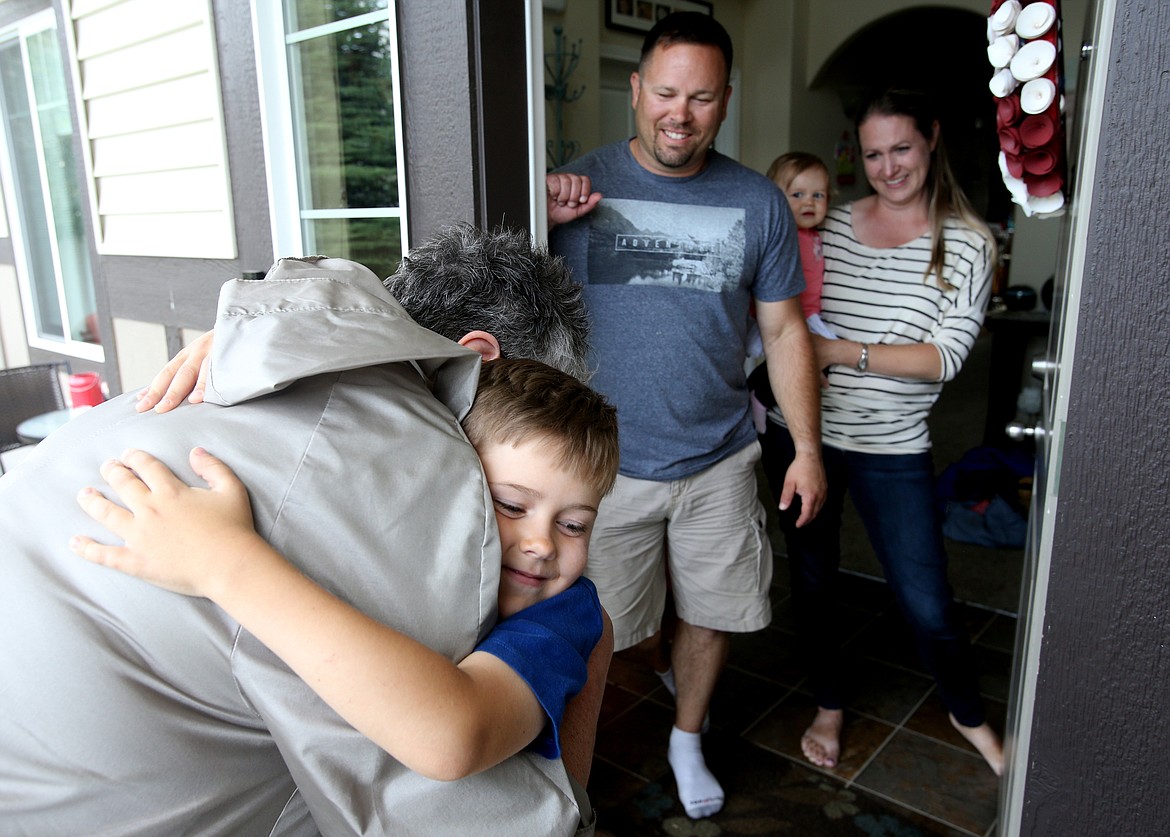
805	478
793	373
185	375
569	197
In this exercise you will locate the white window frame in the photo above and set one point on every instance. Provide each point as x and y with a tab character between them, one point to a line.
538	196
279	132
67	345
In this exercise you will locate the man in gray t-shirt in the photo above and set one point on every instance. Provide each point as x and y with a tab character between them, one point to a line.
684	242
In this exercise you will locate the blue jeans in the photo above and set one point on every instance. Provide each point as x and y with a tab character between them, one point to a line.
894	496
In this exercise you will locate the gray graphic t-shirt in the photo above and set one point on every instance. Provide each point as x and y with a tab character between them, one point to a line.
670	266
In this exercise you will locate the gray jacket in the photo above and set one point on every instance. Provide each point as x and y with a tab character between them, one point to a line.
127	710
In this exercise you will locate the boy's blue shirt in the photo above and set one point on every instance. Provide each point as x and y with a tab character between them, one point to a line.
548	645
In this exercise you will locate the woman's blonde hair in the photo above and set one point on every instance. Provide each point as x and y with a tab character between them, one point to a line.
944	194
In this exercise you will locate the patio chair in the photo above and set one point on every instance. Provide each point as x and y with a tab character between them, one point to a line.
27	391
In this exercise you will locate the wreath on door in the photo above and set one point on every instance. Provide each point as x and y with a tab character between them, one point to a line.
1024	48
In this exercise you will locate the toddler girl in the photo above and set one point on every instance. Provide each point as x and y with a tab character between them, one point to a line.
804	180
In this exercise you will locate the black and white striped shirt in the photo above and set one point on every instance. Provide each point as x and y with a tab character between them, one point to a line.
881	296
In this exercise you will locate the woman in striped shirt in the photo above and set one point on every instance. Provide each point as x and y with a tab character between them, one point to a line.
907	277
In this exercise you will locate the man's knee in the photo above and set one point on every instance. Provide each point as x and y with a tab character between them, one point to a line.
698	639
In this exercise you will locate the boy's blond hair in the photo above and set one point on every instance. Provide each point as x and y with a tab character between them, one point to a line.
520	400
786	167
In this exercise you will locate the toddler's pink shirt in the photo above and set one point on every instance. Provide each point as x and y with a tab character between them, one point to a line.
812	262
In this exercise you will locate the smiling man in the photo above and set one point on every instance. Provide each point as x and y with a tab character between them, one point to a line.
673	242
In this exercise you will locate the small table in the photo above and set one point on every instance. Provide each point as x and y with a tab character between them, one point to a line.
32	430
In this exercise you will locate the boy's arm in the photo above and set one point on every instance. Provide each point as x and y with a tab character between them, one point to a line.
441	720
579	723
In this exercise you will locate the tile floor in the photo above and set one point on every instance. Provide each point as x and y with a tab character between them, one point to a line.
904	770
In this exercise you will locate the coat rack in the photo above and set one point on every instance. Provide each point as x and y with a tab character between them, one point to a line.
559	68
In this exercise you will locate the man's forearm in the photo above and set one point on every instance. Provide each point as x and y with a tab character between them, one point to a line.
795	383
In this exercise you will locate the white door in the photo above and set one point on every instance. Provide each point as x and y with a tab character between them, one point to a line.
1054	369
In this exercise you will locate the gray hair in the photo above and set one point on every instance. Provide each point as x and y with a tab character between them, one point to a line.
466	279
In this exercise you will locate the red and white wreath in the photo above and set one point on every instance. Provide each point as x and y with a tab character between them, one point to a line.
1024	48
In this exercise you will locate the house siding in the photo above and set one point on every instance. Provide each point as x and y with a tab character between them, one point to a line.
152	118
178	207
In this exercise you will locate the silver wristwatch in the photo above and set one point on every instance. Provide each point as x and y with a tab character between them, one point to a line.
863	361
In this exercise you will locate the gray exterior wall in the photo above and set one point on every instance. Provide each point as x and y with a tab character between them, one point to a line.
1100	746
459	64
465	95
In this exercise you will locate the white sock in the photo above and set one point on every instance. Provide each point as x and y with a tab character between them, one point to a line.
667	678
699	791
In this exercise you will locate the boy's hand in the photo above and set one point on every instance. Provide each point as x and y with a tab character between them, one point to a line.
189	540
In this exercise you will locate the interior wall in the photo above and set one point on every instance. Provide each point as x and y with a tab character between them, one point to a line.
787	54
829	26
581	21
766	48
816	121
833	23
584	21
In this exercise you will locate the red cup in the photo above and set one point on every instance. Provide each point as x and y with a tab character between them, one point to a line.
85	389
1041	186
1009	140
1039	162
1015	164
1037	131
1007	110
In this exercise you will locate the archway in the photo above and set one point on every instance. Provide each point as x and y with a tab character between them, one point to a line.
941	51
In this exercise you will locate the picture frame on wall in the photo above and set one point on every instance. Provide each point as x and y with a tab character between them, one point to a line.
639	16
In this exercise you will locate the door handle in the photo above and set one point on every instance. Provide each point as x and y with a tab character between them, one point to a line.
1018	431
1042	367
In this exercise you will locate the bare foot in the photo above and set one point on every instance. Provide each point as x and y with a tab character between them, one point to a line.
821	742
983	739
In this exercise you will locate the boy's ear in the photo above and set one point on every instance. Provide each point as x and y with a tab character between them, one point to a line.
480	341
